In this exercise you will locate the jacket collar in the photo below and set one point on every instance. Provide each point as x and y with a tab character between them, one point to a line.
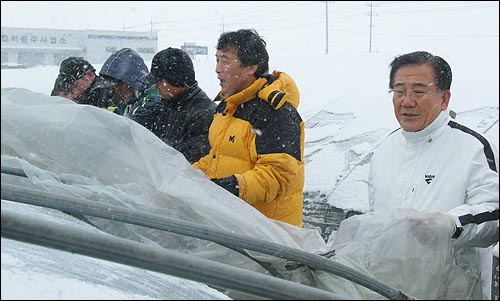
180	100
249	93
276	89
431	131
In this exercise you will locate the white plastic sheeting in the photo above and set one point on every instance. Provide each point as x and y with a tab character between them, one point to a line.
91	153
397	248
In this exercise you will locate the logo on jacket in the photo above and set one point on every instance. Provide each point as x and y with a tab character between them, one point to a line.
429	178
231	138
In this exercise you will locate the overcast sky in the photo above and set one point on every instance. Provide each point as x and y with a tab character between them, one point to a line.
287	26
350	88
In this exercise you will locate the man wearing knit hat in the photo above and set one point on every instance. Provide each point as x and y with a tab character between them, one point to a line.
75	76
78	82
185	112
175	66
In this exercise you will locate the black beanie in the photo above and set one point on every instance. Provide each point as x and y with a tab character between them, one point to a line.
72	69
175	66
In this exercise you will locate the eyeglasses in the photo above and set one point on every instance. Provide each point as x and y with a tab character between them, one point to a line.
414	93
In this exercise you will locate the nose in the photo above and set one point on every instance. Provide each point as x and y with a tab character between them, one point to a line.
218	67
407	100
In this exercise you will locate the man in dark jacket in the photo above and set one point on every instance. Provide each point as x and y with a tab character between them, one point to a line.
101	93
75	76
184	114
132	82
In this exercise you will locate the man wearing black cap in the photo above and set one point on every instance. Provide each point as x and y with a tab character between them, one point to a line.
75	76
185	112
77	81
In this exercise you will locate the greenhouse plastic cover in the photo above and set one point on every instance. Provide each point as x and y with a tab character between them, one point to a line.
91	153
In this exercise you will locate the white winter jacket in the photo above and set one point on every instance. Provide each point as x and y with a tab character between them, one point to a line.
445	167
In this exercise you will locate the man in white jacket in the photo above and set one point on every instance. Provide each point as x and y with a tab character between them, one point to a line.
433	164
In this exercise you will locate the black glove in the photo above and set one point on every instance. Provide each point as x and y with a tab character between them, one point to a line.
228	183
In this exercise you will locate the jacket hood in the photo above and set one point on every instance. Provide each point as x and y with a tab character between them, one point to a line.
276	89
127	65
282	89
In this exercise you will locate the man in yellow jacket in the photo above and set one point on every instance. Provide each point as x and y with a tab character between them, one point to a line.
257	135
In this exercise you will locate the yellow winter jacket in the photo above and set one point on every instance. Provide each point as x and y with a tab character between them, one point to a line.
258	136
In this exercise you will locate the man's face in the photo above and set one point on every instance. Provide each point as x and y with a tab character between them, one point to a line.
416	99
233	77
82	84
166	90
79	87
124	91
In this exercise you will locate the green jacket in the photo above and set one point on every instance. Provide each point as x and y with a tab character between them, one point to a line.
125	109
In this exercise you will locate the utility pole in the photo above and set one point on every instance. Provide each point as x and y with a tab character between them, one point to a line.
217	14
326	3
326	19
222	24
371	26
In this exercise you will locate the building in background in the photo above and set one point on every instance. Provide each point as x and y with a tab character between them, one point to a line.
192	50
28	47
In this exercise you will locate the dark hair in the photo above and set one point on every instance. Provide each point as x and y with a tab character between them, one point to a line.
442	71
250	48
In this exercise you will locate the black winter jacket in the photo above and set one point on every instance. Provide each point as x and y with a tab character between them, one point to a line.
101	93
181	122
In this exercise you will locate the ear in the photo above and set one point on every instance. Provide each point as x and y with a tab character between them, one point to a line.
445	99
251	69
